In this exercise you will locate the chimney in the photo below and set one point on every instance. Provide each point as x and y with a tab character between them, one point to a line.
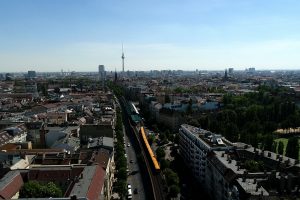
43	136
244	179
245	175
269	154
237	163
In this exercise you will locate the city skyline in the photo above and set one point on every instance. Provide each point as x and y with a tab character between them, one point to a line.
80	35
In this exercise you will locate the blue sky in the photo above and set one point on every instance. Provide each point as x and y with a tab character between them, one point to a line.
78	35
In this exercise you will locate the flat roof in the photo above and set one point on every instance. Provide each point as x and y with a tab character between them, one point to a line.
207	137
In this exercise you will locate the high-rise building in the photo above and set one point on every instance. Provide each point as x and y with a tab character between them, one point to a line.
102	75
251	70
230	71
31	74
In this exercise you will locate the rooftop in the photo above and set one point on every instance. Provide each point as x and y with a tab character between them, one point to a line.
89	183
211	140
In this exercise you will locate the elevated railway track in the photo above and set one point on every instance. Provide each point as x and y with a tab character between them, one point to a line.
151	165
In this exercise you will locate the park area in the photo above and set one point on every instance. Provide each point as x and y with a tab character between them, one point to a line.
285	142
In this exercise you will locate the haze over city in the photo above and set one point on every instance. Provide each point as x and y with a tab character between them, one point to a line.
149	100
188	35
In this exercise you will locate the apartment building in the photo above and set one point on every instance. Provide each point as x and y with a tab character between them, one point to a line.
220	166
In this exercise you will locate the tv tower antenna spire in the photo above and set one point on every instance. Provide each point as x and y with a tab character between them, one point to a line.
123	57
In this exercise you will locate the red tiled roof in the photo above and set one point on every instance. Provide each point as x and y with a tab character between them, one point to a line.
11	188
96	184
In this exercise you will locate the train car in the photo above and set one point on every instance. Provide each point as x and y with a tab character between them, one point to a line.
149	150
135	109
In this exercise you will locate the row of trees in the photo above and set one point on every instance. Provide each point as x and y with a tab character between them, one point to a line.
120	160
118	91
171	176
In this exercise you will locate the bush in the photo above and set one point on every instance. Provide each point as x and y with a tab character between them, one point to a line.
254	166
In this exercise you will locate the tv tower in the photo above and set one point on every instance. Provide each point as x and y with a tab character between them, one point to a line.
123	57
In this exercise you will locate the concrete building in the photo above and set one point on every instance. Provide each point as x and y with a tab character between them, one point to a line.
102	75
221	167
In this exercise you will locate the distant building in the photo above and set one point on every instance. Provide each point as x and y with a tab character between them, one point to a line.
230	71
31	74
8	77
225	75
102	75
251	70
31	88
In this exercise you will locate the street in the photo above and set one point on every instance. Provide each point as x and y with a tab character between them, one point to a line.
134	175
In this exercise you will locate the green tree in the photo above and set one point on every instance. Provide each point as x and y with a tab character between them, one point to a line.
164	164
52	190
292	148
163	137
121	187
171	177
151	139
268	142
33	189
160	153
274	146
173	191
30	189
280	148
122	173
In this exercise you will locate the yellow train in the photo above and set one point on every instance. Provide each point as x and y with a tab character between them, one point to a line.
149	150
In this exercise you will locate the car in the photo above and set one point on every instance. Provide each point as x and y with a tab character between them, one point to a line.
135	191
125	155
131	161
128	186
128	145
